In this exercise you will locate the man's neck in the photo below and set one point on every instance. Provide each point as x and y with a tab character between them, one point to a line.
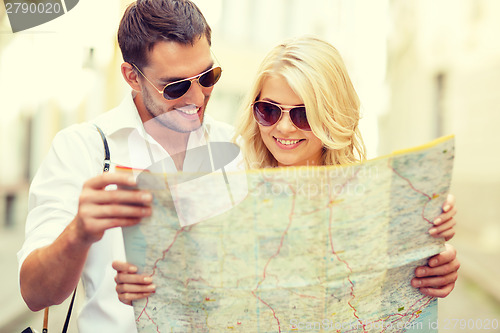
175	143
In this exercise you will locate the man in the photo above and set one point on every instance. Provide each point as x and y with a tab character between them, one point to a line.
72	222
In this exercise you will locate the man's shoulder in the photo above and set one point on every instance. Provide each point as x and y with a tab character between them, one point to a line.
80	130
77	142
109	121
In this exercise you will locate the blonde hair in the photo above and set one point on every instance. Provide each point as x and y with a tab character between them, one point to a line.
316	72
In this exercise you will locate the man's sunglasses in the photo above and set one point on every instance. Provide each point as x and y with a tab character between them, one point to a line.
177	89
268	114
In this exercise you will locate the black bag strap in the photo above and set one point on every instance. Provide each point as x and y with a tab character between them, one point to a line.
106	150
106	163
68	315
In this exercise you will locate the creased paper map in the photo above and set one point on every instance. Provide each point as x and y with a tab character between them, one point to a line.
296	250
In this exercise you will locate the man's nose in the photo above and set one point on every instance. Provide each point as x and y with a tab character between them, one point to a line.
196	93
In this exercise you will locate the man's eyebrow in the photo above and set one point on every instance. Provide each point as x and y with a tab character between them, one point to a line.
167	80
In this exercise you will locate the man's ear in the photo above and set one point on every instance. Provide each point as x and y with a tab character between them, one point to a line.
130	76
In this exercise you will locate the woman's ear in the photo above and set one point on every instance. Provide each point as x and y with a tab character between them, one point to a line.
130	75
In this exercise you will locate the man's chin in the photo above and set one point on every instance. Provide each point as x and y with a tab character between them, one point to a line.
180	123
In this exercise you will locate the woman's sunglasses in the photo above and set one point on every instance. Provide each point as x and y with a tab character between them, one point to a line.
268	114
177	89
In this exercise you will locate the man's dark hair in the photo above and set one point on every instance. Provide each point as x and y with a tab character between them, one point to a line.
146	22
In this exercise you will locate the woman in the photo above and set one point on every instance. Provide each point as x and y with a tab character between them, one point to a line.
304	72
303	110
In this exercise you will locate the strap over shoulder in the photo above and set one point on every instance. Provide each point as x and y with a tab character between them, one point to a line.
107	158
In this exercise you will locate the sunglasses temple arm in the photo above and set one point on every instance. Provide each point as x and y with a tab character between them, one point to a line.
216	60
151	83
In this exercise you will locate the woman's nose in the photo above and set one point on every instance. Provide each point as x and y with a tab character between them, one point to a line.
285	124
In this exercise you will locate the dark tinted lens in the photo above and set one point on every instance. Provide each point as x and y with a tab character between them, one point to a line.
299	118
266	114
176	90
211	77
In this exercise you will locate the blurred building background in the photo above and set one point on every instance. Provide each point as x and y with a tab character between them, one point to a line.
422	68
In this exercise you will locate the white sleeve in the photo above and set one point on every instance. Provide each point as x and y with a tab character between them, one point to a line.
76	155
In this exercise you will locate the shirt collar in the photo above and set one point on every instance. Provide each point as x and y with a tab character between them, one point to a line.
123	117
